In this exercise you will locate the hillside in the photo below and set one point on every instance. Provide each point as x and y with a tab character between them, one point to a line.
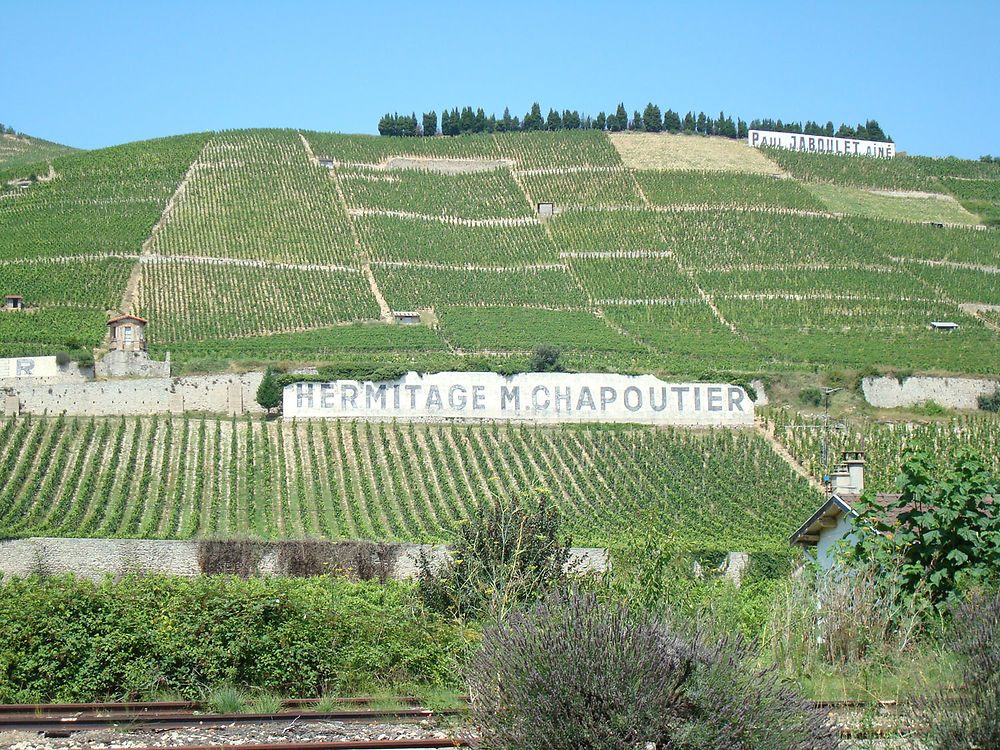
19	150
668	253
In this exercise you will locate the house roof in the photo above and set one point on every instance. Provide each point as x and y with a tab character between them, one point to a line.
127	317
838	504
14	296
844	502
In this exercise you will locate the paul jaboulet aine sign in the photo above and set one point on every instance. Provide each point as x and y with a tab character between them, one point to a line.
532	397
821	144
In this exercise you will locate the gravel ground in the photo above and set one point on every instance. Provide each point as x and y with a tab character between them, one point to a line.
242	734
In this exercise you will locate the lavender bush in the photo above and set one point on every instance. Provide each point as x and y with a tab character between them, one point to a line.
575	672
969	716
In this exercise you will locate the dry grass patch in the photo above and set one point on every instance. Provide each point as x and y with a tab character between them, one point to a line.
679	151
848	200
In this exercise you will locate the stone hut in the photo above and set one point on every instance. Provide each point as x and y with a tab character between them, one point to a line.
127	333
14	302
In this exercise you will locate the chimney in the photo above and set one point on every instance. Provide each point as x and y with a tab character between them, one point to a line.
849	476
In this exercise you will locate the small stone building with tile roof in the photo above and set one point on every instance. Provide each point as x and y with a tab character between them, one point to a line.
127	333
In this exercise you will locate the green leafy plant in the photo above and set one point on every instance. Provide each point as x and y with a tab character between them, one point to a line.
942	530
506	553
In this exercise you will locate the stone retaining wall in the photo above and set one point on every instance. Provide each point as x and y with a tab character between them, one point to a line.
952	393
96	558
220	394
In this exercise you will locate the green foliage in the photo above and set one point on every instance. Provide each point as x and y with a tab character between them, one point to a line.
811	396
989	401
66	639
269	391
546	358
508	552
942	529
228	700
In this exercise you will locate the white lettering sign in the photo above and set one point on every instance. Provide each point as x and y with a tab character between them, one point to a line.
28	367
821	144
535	397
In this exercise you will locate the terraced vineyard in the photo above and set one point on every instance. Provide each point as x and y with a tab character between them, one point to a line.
182	478
885	443
666	253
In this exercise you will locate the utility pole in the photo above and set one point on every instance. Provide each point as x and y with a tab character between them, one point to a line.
826	430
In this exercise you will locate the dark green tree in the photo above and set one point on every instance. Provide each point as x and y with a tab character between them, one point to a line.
671	121
828	128
621	117
601	121
546	358
269	392
553	121
688	124
571	120
741	129
430	123
875	132
533	120
506	124
652	122
845	131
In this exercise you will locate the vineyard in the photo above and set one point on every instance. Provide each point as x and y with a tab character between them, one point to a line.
195	477
884	443
665	253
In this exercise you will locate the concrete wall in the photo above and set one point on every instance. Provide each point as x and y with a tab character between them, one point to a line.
95	558
223	394
953	393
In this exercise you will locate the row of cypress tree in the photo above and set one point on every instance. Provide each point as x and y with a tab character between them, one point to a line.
468	120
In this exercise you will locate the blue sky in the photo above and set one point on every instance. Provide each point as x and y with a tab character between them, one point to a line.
100	73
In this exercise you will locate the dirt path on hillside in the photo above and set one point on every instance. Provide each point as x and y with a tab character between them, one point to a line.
131	293
385	312
786	456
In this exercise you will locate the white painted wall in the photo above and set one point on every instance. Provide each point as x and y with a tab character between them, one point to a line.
828	538
534	397
821	144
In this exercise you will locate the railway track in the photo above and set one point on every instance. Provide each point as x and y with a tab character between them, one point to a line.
66	722
63	719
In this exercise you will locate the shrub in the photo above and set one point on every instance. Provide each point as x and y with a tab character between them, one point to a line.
989	401
63	359
546	359
969	716
574	672
67	639
811	396
508	552
269	391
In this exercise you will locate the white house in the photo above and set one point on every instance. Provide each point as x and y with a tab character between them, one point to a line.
835	519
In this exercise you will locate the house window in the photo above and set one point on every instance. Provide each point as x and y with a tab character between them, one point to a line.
128	335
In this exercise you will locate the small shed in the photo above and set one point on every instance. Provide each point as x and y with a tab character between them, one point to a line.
14	302
943	325
406	317
546	209
325	161
127	333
